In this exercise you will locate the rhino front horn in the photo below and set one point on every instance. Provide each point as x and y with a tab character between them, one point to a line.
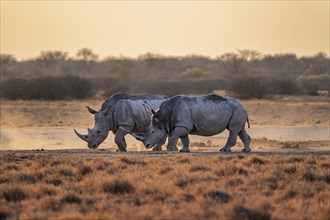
83	137
136	136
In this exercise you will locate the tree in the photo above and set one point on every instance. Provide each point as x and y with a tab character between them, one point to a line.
234	64
86	54
249	55
5	61
6	58
52	56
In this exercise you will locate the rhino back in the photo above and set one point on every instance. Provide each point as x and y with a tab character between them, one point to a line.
204	115
111	101
210	116
135	114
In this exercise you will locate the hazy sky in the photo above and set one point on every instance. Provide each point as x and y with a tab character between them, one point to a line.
131	28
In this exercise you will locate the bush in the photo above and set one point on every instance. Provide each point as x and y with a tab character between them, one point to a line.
46	88
248	87
187	86
112	85
283	86
312	83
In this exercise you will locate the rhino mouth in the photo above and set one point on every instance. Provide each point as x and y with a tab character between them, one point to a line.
148	146
94	146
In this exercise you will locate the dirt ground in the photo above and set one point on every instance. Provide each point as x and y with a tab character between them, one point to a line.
291	123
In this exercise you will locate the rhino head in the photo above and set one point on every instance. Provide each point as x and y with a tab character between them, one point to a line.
155	133
100	131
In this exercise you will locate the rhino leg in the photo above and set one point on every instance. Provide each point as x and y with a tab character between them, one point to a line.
174	136
158	147
235	126
185	142
246	139
230	142
120	139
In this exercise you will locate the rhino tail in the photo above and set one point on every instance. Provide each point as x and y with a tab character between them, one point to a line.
247	120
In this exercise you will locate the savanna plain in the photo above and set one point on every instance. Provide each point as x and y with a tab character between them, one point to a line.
279	179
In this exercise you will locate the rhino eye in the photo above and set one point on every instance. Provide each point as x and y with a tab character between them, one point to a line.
98	132
152	131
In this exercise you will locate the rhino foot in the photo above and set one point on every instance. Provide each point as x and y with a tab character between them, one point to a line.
185	150
172	149
246	150
226	150
121	150
157	149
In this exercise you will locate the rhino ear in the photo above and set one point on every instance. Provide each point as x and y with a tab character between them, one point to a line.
153	111
92	111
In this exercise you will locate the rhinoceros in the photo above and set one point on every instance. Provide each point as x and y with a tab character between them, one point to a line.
202	115
121	114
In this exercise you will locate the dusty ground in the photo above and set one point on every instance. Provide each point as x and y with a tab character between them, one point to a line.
282	111
284	122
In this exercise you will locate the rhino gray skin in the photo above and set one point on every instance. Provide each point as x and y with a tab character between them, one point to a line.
202	115
122	114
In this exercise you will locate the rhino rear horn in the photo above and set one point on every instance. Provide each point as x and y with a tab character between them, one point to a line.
92	111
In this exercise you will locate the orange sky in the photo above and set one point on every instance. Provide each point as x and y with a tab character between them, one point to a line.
171	28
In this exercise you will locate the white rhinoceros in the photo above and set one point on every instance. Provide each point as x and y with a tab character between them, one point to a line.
202	115
121	114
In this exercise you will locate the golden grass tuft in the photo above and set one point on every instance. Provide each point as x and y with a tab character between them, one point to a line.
118	187
241	212
14	195
71	198
218	196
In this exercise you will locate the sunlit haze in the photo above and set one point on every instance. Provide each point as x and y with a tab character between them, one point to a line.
132	28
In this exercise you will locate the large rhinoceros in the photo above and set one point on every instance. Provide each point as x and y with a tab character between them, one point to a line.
121	114
202	115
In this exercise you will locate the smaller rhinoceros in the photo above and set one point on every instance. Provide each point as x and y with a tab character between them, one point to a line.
202	115
121	114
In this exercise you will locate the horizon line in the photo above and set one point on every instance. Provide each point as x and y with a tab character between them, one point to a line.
161	55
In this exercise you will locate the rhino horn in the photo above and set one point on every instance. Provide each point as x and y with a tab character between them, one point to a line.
83	137
92	111
136	136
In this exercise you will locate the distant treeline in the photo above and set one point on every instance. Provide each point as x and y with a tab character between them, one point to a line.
245	74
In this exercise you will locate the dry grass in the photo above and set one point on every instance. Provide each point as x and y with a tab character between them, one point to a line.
43	186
